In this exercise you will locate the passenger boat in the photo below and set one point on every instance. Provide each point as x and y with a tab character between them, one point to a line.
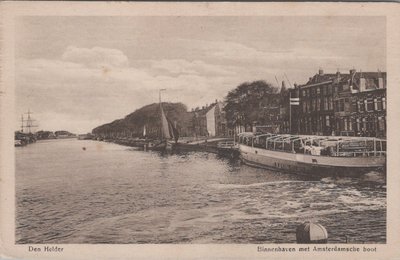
321	155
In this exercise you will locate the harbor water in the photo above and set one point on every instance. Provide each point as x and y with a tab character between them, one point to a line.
73	191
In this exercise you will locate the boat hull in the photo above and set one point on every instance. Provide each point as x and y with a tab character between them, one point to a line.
159	146
311	164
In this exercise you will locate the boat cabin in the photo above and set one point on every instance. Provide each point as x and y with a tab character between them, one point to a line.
316	145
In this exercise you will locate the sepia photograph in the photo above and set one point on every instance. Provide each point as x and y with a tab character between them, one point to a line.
201	129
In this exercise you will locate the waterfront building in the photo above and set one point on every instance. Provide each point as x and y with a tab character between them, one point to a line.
222	128
360	105
210	121
316	104
288	114
343	104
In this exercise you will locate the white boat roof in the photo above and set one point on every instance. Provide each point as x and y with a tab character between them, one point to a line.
289	137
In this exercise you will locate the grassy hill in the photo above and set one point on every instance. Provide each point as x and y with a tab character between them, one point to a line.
133	124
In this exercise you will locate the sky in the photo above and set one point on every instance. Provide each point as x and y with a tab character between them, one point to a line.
76	73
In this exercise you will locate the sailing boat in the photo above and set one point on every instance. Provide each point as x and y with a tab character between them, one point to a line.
168	132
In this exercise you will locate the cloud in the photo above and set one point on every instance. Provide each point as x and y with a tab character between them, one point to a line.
195	67
96	57
93	89
231	53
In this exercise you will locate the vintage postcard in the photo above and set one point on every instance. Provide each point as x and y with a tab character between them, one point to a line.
199	130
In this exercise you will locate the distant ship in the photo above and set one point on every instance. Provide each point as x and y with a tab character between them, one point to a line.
319	155
25	136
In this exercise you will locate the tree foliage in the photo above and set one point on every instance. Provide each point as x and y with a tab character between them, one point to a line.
246	103
149	116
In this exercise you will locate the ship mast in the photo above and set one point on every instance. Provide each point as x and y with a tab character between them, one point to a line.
22	123
29	122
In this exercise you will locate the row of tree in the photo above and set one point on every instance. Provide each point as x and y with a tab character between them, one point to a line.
242	106
145	119
245	104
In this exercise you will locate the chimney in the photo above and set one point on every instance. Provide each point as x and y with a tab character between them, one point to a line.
380	82
321	72
337	76
362	84
283	88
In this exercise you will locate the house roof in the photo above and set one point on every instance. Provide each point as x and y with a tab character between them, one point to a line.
318	79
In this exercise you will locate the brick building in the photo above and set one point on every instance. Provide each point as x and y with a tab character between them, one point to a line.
316	104
360	105
343	104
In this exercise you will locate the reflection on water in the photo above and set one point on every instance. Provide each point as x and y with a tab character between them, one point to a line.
109	193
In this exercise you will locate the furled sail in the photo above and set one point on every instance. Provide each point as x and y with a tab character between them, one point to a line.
173	131
165	133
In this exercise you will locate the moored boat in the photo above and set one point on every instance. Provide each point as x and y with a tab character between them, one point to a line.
320	155
168	133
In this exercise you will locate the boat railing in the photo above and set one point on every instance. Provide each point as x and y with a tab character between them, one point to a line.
359	154
321	146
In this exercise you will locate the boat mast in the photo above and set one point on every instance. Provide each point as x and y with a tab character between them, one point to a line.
29	122
22	123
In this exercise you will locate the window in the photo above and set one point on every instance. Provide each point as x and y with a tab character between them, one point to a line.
318	104
361	106
327	122
324	90
369	104
313	105
379	104
326	107
340	105
330	90
384	103
304	107
364	124
381	123
346	105
354	107
318	91
303	93
330	103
